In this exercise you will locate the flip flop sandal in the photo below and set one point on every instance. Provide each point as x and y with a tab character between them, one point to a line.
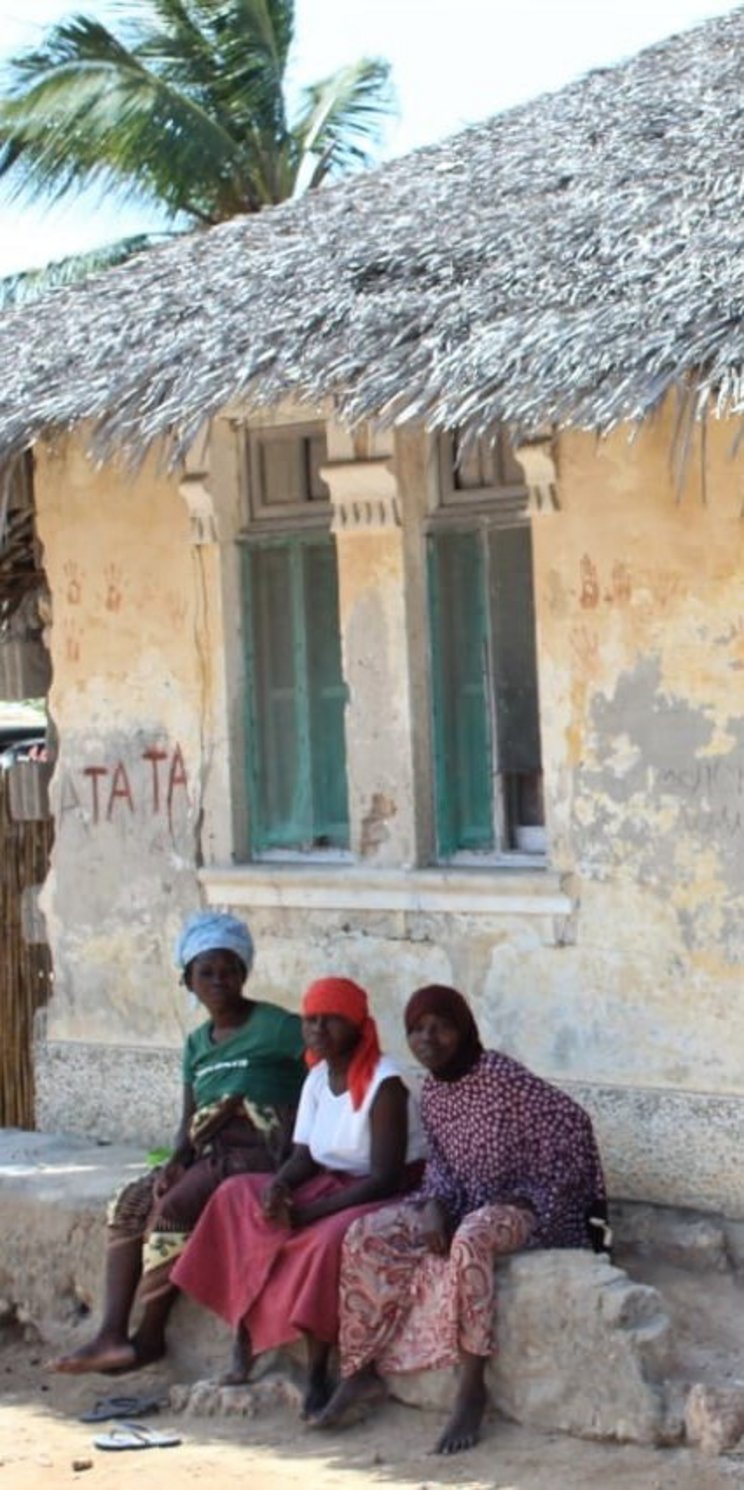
135	1436
120	1407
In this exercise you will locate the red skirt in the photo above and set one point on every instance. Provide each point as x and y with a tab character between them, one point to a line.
277	1282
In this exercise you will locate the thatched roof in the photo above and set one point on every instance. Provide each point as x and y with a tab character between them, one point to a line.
567	262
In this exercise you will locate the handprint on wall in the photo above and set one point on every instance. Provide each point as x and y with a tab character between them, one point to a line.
74	578
114	591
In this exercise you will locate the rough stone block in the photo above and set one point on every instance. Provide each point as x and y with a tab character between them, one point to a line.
714	1416
208	1399
581	1349
685	1239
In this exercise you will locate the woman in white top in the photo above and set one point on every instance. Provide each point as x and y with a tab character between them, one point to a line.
357	1142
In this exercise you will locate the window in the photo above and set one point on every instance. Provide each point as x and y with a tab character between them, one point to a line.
488	775
296	696
478	469
284	473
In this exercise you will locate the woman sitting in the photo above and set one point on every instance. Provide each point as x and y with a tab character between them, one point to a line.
242	1073
278	1241
512	1164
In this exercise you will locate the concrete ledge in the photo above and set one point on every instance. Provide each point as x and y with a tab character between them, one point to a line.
53	1194
502	889
668	1148
102	1091
581	1347
671	1148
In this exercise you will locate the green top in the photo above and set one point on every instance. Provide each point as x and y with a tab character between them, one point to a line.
262	1060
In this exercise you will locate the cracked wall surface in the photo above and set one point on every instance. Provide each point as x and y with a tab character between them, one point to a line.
130	707
628	986
640	615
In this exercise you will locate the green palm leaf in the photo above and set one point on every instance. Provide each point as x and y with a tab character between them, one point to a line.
182	108
340	124
93	113
29	284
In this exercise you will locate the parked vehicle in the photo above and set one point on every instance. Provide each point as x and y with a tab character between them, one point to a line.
22	743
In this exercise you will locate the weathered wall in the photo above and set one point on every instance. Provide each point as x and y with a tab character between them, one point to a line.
131	700
615	969
640	617
639	594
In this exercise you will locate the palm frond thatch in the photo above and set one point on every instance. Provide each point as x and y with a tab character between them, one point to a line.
569	262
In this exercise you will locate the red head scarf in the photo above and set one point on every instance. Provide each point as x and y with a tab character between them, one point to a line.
342	996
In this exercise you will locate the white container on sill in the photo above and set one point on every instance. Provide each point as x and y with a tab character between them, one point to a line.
530	839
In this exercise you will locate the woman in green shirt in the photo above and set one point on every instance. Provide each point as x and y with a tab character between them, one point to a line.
242	1073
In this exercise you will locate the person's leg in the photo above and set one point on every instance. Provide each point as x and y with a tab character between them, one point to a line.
170	1224
485	1234
147	1344
112	1350
462	1430
380	1254
241	1360
109	1350
318	1388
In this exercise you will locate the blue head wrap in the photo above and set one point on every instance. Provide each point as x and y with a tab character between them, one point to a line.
214	931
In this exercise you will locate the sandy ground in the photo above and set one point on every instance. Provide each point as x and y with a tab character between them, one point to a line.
41	1441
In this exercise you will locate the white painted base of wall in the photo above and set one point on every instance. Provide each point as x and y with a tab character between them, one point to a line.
663	1147
113	1093
669	1147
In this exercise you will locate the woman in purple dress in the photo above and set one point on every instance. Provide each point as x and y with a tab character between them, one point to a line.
513	1164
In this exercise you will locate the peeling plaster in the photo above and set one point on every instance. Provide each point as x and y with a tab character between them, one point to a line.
673	814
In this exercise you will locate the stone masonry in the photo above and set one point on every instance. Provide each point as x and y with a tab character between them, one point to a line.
581	1348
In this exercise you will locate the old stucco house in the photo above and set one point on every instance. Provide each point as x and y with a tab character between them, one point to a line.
361	630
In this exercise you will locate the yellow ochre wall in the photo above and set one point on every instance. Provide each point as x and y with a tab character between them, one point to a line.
640	598
130	697
615	969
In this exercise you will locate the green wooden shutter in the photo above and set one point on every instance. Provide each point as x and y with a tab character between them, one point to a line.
514	650
296	695
326	695
278	745
462	735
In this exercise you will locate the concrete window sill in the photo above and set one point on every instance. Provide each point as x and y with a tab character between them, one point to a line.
356	887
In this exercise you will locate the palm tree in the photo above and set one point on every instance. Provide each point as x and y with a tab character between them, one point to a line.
185	110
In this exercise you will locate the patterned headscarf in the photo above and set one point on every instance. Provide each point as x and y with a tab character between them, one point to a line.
344	997
437	998
214	931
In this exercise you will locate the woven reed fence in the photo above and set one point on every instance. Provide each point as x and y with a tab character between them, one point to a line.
25	968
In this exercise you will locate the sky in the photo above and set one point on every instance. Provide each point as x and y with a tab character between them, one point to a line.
453	61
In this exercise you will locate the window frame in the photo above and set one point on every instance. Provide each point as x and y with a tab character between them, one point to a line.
293	527
483	511
311	511
495	456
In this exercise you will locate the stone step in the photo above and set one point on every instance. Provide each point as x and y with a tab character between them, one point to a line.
582	1348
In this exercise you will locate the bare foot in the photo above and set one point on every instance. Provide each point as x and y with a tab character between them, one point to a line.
241	1361
110	1357
463	1428
355	1392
